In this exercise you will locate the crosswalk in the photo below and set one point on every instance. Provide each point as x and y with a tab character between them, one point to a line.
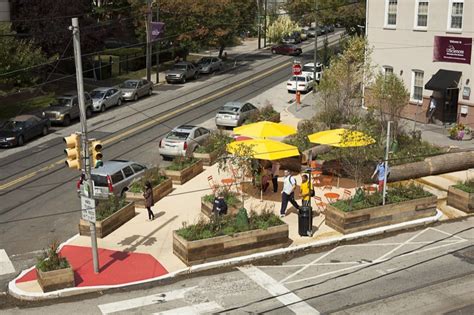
6	266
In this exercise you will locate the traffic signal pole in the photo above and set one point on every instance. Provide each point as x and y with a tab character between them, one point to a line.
85	142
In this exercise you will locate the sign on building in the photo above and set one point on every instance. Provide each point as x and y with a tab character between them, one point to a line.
452	49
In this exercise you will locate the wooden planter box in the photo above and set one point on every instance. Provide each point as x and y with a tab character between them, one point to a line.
181	177
56	279
223	247
207	158
159	192
364	219
206	208
460	199
109	224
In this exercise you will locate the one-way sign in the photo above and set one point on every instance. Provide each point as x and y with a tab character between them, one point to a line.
88	209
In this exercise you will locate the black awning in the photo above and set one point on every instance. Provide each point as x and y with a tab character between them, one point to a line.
443	79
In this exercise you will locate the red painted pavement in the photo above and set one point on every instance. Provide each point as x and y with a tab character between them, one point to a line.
115	267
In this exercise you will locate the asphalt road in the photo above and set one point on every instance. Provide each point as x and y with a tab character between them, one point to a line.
38	193
427	271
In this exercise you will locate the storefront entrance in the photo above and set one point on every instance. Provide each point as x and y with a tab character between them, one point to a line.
444	85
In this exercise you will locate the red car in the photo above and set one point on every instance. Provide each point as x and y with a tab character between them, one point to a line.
287	49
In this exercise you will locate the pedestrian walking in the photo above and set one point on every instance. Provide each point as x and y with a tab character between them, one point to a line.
288	193
275	171
220	206
265	180
149	201
431	110
380	172
305	191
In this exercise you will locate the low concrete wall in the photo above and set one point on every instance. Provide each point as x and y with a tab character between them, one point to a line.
159	192
222	247
207	158
460	199
364	219
109	224
56	279
181	177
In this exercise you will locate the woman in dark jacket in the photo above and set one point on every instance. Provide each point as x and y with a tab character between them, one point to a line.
149	202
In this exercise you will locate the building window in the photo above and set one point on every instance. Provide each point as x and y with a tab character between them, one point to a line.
422	14
456	9
387	70
391	13
417	90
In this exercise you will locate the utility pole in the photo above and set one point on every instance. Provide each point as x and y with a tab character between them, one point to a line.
387	149
315	41
148	41
85	142
265	26
259	26
157	45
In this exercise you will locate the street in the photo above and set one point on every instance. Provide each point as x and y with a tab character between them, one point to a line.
426	271
39	200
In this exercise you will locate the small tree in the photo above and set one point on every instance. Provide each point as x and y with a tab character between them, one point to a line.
281	27
389	98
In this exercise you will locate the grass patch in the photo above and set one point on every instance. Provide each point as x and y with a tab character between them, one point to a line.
396	193
229	225
467	186
181	163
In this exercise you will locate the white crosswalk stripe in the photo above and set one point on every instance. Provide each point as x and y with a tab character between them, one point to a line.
6	265
197	309
143	301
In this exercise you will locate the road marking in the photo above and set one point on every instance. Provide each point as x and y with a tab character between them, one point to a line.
202	308
446	233
381	258
143	301
162	118
285	296
6	265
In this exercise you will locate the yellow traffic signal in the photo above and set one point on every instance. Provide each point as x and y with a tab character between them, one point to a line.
96	151
73	151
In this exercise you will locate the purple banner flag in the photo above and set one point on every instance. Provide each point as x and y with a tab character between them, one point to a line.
157	29
452	49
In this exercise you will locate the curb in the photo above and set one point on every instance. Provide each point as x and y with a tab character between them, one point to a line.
16	292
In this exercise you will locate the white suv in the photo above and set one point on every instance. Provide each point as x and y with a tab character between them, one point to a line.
300	83
308	70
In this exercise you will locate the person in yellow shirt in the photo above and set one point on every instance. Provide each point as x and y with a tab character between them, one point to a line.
305	190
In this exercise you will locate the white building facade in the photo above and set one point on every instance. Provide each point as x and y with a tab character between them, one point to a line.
428	43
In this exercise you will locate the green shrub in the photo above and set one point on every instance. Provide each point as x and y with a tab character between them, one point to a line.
217	141
153	175
231	198
467	186
396	193
51	260
229	225
180	163
266	113
300	139
107	207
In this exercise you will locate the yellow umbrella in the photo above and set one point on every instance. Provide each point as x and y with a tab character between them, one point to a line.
341	138
264	149
263	129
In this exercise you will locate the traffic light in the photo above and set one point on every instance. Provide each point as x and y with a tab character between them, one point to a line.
73	151
96	151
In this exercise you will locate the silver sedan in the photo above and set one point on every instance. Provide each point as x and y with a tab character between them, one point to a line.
182	141
209	64
233	114
134	89
105	97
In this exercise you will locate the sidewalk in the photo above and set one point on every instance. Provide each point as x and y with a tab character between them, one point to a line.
141	251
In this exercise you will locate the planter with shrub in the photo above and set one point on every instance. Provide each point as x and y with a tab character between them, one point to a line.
161	184
266	113
461	196
229	236
231	198
182	169
460	132
214	147
362	212
53	271
110	215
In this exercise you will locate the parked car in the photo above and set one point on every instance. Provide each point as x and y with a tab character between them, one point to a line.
299	83
182	141
66	108
308	70
114	178
209	64
181	72
293	38
312	31
233	114
134	89
286	49
328	28
105	97
17	130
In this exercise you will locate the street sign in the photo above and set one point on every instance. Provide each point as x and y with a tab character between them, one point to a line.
86	189
88	209
296	69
